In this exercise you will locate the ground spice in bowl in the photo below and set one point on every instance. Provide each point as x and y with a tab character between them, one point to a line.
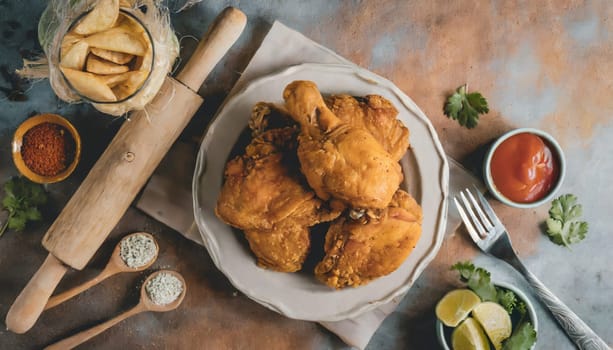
48	149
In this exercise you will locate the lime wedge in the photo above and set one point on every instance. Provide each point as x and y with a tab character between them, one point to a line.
455	306
469	336
495	321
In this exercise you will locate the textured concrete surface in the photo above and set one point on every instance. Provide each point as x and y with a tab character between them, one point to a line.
544	64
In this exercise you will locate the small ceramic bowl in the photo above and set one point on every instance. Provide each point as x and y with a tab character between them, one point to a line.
556	151
18	141
440	328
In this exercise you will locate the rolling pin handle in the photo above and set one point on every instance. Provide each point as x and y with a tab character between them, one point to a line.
32	300
221	35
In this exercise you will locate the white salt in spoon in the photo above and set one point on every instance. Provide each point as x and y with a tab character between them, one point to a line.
115	265
145	304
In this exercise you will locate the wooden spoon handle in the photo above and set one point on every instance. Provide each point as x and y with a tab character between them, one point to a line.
31	301
222	34
86	335
62	297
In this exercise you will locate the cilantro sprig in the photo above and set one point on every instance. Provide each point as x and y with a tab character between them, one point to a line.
465	107
21	201
479	281
523	337
564	226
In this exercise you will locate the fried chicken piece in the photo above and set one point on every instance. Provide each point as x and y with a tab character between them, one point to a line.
339	161
266	116
260	190
264	195
283	248
377	115
358	251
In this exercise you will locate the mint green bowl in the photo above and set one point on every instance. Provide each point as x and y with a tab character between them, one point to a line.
556	152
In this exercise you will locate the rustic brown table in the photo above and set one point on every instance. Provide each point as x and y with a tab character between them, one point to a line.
544	64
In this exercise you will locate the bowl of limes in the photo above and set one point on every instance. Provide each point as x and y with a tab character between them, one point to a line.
485	315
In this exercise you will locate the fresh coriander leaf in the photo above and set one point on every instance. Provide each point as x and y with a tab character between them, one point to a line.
478	280
563	225
522	309
18	221
37	195
468	116
21	201
465	107
478	102
10	202
577	231
522	338
507	299
33	214
480	283
565	207
554	227
453	105
465	269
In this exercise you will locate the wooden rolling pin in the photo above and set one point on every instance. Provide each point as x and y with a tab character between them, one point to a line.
122	170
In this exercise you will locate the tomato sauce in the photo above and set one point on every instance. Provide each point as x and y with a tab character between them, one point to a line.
523	168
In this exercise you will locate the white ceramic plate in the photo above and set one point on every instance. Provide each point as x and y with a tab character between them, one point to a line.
300	295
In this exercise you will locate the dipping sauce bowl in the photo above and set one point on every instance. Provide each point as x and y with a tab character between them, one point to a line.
524	168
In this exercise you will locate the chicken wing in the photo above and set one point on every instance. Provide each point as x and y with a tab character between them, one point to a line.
377	115
340	161
358	251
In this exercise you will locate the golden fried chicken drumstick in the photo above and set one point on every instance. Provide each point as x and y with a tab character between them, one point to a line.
358	251
339	160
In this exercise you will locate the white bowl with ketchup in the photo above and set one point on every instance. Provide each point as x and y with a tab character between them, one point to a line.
524	168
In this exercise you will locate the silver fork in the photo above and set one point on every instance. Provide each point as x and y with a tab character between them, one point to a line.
491	236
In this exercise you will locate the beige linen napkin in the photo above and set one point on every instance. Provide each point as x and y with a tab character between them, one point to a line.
168	195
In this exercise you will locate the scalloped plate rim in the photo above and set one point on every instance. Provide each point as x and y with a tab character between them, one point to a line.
212	245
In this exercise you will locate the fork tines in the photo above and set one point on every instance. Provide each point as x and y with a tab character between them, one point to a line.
479	217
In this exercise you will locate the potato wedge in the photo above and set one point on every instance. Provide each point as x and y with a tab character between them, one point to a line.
99	66
144	62
118	39
126	3
112	56
76	56
113	80
130	85
101	18
130	24
89	85
68	41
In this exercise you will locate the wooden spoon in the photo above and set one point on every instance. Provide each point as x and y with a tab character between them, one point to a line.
145	304
114	266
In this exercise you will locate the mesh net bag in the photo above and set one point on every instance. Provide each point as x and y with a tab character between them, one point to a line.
61	15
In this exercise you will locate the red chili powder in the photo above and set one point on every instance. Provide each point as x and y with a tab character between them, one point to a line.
47	149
